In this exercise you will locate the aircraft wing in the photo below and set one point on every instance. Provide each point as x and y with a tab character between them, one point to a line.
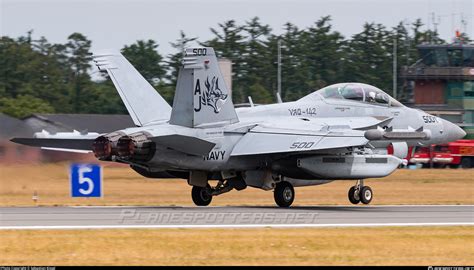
79	145
272	140
67	142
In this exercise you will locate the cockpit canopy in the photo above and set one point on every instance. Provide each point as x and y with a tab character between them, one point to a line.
358	92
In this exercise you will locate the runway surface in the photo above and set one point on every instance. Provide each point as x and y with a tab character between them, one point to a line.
233	217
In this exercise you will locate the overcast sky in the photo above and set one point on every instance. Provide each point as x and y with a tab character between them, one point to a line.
115	23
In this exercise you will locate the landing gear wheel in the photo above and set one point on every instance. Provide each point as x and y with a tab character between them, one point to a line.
354	195
366	195
201	195
284	194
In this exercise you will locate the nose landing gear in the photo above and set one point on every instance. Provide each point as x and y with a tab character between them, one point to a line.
360	193
284	194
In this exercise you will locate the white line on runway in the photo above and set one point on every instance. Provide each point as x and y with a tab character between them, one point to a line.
225	226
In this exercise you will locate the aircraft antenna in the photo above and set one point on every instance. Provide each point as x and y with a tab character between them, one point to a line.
279	69
251	101
395	66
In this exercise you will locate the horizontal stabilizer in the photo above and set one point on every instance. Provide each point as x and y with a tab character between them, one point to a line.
185	144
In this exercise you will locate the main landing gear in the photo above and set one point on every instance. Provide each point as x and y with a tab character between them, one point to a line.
360	193
284	194
201	195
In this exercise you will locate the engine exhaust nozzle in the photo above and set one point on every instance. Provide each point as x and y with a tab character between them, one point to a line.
136	147
104	147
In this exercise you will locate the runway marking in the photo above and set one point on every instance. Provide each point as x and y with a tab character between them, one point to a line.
229	226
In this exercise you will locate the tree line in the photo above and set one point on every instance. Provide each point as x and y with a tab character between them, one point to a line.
37	76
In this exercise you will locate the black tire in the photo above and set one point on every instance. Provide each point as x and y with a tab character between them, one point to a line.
366	195
466	163
201	195
353	196
284	194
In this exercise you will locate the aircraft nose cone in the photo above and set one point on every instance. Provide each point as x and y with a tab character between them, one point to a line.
452	131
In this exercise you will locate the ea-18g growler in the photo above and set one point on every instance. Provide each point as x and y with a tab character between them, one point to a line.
340	132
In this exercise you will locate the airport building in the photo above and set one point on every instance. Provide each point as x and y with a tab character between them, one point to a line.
225	66
442	83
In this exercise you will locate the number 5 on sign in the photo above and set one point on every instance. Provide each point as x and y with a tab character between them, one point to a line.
86	180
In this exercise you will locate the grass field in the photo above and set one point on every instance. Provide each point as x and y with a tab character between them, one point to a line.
122	186
337	246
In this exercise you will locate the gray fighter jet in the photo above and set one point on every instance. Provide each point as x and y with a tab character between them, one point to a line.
340	132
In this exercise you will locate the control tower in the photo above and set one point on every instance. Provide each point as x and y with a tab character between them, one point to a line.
443	82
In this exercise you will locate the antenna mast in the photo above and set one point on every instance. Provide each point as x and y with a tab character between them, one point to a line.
279	69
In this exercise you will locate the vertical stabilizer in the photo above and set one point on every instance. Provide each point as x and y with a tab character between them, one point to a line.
143	102
202	97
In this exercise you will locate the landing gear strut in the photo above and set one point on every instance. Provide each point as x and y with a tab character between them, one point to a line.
284	194
360	193
202	196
